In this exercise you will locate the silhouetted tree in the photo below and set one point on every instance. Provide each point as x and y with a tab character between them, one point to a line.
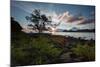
39	20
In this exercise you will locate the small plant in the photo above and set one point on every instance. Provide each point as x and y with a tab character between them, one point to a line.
85	51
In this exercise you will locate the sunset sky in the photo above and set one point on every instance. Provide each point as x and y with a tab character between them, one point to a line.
79	16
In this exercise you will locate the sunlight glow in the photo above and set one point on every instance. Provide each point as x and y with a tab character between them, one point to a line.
53	30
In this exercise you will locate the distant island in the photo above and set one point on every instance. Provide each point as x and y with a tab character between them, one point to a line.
78	30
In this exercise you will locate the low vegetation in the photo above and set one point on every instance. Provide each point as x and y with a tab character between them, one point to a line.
36	49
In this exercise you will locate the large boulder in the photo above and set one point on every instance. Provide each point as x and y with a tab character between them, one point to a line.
15	26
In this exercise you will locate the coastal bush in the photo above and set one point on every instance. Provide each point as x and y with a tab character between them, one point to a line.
85	51
31	50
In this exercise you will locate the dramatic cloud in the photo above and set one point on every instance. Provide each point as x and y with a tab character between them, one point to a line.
88	20
85	21
68	18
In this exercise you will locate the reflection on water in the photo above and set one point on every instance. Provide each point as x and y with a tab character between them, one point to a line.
83	35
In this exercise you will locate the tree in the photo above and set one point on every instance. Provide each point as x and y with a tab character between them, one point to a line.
39	20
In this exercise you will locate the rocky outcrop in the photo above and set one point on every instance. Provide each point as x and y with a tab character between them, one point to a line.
15	26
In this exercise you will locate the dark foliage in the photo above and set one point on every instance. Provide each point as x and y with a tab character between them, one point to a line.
15	26
39	20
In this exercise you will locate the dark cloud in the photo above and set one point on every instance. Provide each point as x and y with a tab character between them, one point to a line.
86	21
91	20
73	19
68	18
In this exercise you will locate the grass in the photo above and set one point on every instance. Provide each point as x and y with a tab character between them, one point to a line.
39	49
85	51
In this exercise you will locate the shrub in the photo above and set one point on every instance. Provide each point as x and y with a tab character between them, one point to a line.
29	50
85	51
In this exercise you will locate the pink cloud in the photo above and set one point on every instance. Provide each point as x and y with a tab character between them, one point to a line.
69	18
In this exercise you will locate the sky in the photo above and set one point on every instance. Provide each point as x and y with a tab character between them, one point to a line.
69	16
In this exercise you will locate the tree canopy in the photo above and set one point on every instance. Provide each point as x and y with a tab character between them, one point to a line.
39	20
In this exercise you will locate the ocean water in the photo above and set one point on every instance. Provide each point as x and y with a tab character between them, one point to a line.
83	35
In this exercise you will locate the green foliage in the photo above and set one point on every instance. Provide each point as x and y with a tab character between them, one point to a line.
86	51
31	50
42	49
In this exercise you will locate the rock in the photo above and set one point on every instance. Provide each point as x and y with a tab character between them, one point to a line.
15	26
66	57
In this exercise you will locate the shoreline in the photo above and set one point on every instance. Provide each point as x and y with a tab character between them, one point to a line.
67	36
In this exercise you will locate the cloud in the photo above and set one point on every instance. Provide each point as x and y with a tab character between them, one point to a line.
69	18
86	21
92	13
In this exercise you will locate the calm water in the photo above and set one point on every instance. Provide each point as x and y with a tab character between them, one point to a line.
83	35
